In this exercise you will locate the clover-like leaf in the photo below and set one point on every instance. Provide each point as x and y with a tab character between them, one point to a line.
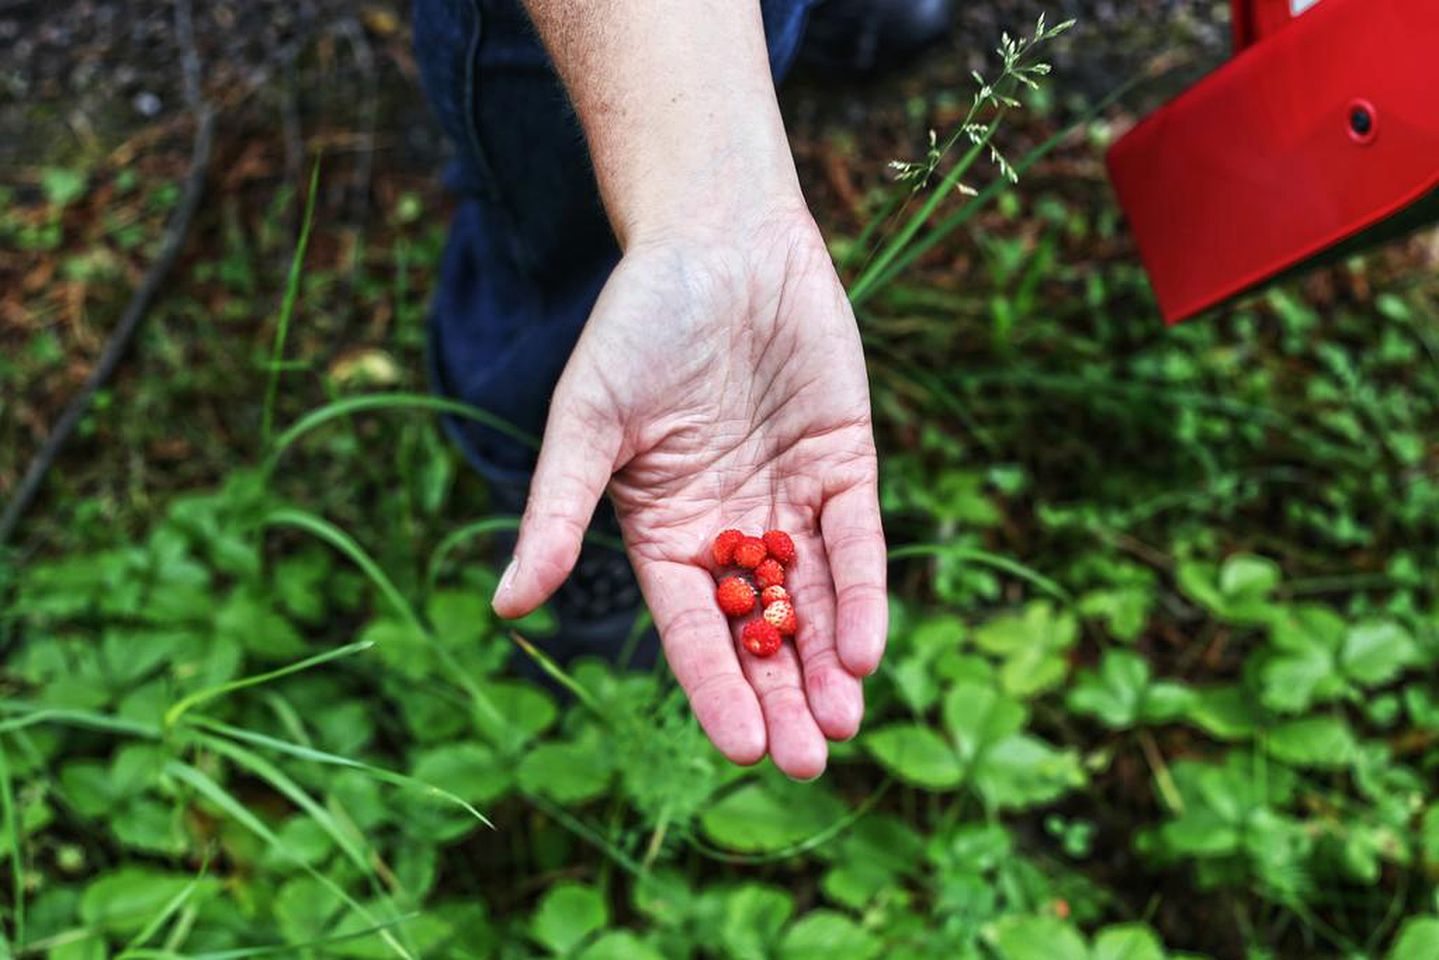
1238	591
1031	646
567	916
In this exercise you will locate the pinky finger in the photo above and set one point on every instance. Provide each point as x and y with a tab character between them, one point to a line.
854	540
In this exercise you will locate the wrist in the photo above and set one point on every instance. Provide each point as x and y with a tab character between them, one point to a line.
724	204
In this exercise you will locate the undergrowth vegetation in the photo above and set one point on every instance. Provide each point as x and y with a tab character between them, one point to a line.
1161	678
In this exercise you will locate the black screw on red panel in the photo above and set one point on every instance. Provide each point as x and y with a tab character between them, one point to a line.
1361	121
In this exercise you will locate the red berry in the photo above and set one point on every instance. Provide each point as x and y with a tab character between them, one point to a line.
779	545
760	638
780	615
749	552
735	596
773	594
769	573
724	546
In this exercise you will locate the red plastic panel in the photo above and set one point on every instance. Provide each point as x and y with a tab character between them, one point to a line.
1255	20
1259	167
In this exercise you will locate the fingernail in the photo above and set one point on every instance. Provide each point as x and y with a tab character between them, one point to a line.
506	580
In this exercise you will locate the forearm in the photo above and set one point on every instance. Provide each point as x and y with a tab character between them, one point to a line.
678	107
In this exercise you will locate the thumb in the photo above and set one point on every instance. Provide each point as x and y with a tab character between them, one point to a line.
577	458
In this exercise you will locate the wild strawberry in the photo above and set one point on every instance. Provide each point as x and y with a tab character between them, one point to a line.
779	545
773	594
760	638
769	573
749	552
780	615
724	547
735	596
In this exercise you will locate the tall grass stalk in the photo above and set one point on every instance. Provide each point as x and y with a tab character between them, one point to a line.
287	304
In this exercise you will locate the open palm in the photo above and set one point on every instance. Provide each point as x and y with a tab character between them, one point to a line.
722	384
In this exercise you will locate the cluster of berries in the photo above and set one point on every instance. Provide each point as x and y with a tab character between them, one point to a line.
765	558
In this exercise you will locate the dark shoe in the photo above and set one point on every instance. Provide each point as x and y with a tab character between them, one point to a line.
872	36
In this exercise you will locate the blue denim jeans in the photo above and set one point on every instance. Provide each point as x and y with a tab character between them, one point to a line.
529	248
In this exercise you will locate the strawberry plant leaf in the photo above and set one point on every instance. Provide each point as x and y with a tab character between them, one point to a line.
1324	741
568	915
917	755
1018	937
757	819
828	935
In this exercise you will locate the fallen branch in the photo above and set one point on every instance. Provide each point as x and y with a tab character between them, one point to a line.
174	241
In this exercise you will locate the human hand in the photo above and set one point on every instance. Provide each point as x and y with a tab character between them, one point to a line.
720	383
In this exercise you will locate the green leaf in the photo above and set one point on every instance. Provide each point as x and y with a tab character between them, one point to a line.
1115	693
827	935
917	755
527	708
1324	741
471	771
299	583
754	819
151	826
120	902
85	784
1375	653
1031	646
977	715
1418	940
247	618
620	945
88	948
1125	609
1225	712
1429	837
1245	576
1237	592
1017	937
400	646
62	186
750	918
569	773
568	914
459	617
1024	771
1129	941
1301	669
304	909
1166	702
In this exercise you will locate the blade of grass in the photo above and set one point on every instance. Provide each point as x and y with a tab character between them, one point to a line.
33	714
558	674
315	755
585	832
287	304
455	538
170	908
220	797
865	284
489	718
274	950
365	403
1007	564
183	705
903	259
275	777
496	524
